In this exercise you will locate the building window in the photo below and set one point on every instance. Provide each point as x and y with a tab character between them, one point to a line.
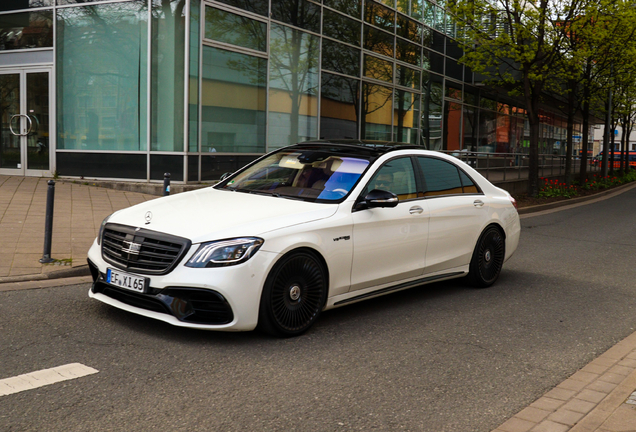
339	107
168	75
235	29
340	58
378	69
340	27
406	116
233	102
377	111
293	86
350	7
26	30
101	76
304	14
260	7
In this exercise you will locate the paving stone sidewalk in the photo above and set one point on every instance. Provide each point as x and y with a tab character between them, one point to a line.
78	212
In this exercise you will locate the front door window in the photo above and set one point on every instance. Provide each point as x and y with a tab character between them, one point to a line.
24	122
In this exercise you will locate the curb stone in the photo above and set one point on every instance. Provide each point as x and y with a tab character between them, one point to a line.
66	273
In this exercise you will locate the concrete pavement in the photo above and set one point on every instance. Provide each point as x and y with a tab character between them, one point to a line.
600	397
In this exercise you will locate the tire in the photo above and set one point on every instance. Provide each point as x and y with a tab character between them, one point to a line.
488	258
294	295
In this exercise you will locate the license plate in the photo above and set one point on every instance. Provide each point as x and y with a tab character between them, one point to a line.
126	280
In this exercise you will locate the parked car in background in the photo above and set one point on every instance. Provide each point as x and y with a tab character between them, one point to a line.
304	229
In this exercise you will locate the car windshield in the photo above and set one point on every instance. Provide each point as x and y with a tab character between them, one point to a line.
310	175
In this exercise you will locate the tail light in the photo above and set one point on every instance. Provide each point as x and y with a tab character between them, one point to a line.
513	201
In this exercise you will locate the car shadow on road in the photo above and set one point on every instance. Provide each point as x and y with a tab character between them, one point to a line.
388	310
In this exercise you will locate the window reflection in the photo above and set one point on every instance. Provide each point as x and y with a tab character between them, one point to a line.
415	10
405	116
38	111
431	125
235	29
380	16
299	13
453	90
9	5
407	77
168	75
487	131
193	84
433	61
408	52
342	28
101	77
428	13
454	69
452	126
438	41
427	37
339	107
470	129
293	83
377	112
350	7
453	49
10	156
378	41
260	7
409	29
26	30
340	58
440	16
378	69
233	100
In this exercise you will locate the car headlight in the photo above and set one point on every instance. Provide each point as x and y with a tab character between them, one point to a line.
101	228
225	252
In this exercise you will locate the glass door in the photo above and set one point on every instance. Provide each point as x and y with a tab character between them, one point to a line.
24	122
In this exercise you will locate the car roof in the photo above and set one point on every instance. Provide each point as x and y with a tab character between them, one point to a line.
369	148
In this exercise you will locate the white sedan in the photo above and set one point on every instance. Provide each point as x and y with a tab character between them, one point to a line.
301	230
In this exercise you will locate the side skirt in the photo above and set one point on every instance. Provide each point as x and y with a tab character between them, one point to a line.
399	287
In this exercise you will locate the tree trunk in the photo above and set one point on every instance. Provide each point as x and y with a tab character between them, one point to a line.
584	141
570	132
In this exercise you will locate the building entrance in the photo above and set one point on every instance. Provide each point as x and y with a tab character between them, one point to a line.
25	130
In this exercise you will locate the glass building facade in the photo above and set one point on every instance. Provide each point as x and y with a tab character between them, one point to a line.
133	89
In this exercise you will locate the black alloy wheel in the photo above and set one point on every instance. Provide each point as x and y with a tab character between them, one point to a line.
293	296
488	258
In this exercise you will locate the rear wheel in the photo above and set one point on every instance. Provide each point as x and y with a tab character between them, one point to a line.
488	258
294	295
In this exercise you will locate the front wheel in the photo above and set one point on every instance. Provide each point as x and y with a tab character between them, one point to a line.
487	259
293	296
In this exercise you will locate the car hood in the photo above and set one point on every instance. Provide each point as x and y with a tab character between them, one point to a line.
211	214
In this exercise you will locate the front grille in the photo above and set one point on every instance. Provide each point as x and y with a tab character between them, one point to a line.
191	305
141	250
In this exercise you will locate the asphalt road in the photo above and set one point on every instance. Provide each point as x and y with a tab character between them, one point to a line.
437	358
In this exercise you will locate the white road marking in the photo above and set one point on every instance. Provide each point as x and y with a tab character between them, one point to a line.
44	377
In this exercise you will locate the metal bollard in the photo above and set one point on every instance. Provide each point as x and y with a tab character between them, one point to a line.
166	184
48	223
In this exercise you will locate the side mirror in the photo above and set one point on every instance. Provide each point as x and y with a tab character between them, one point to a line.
378	198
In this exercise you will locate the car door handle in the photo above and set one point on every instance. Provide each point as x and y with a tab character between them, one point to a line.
416	210
478	203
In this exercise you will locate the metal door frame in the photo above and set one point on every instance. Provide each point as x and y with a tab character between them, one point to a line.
24	171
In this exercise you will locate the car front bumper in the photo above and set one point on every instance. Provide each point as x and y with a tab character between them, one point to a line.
221	298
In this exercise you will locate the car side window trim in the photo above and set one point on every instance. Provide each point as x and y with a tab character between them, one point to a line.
422	178
414	167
